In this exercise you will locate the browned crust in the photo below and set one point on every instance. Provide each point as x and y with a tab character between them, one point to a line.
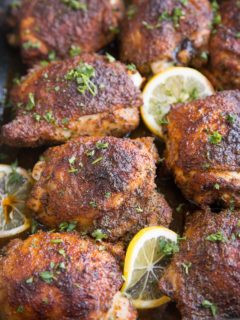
54	93
116	194
225	47
82	290
197	164
143	46
63	26
214	272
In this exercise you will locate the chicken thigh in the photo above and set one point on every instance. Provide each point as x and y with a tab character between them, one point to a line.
225	47
69	25
203	278
203	148
104	184
164	33
56	276
82	96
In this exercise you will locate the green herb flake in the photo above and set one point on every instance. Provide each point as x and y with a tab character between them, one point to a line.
49	117
47	276
139	209
132	67
93	204
215	138
108	195
20	309
29	280
131	11
30	45
102	145
62	252
209	305
68	226
216	237
216	186
83	75
114	30
52	56
15	177
231	118
99	235
75	4
186	266
56	241
184	2
110	57
74	51
31	102
168	247
97	160
204	55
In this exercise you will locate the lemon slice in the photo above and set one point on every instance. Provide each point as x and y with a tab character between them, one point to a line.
174	85
15	184
145	262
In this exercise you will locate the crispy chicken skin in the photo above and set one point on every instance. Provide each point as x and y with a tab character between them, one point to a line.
89	28
214	268
225	47
203	143
101	183
51	109
55	276
163	33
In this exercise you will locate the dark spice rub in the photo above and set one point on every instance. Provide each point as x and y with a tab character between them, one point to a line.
100	183
85	95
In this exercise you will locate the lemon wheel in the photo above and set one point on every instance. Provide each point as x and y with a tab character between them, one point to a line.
15	184
174	85
145	261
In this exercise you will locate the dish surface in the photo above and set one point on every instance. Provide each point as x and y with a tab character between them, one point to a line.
10	66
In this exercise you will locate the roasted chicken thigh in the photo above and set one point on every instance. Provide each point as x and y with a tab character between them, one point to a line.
55	276
203	148
164	33
225	47
102	184
82	96
66	26
204	276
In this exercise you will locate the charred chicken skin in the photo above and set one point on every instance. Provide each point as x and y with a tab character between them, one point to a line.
55	276
203	278
87	25
86	95
100	183
164	33
203	144
225	47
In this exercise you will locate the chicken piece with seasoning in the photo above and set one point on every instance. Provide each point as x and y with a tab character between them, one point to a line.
203	144
225	45
165	33
88	95
70	27
56	276
203	278
105	185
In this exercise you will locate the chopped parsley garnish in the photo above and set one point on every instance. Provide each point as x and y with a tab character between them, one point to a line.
30	45
14	177
68	226
99	235
108	195
31	102
90	153
216	237
83	74
238	35
131	67
168	247
62	252
177	15
20	309
47	276
184	2
56	241
114	30
186	266
93	204
48	116
179	207
231	118
52	56
29	280
215	138
102	145
139	209
216	186
131	11
75	4
74	51
232	205
37	117
110	57
97	160
209	305
204	55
